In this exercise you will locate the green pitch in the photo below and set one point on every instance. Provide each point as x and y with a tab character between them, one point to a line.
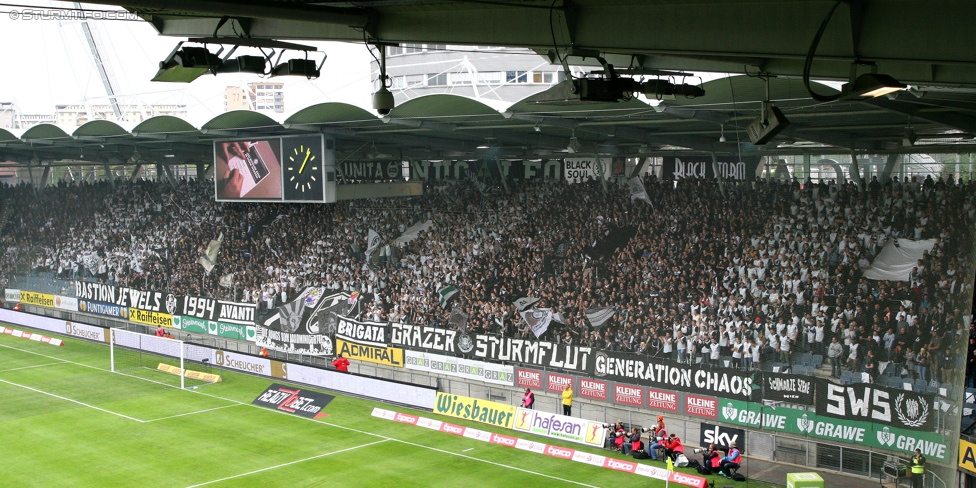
65	420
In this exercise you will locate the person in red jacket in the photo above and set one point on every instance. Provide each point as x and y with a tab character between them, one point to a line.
673	447
528	400
341	364
712	458
658	438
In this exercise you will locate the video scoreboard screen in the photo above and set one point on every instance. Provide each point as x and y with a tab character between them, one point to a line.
278	169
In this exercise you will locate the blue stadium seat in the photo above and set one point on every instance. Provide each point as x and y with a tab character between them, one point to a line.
818	360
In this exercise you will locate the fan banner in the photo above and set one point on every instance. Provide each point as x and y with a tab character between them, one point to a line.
541	354
424	338
216	310
362	332
788	388
151	301
872	403
305	325
701	167
577	170
671	375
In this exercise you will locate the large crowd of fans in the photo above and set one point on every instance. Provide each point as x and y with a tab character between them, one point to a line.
754	271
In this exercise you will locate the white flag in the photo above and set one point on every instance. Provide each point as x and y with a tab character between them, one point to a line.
226	280
209	258
637	191
538	320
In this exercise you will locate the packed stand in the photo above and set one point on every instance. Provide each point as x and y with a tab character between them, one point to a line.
750	273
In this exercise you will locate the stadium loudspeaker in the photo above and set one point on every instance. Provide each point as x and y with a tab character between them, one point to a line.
765	128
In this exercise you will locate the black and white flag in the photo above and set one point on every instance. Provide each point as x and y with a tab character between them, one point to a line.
538	320
598	317
525	302
458	320
372	243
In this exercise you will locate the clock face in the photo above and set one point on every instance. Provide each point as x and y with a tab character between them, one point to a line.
302	169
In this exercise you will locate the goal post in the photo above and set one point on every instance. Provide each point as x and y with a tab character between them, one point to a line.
129	351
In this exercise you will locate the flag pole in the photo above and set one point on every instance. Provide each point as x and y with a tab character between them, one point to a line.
667	482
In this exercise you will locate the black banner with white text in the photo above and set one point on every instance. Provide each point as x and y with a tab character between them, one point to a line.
872	403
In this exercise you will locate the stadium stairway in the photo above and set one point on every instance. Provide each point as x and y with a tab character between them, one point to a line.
5	211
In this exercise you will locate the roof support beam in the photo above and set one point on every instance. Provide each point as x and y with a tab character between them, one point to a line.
856	172
640	166
955	120
353	17
690	113
165	169
136	172
893	162
45	176
421	124
108	173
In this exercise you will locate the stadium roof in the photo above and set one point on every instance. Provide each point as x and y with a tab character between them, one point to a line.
539	126
919	42
914	41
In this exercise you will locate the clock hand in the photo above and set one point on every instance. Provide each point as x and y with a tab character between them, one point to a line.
307	155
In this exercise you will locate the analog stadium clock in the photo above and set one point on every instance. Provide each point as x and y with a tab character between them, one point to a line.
301	169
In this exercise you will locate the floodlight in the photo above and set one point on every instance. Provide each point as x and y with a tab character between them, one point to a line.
870	85
245	64
767	125
187	64
574	144
909	138
297	67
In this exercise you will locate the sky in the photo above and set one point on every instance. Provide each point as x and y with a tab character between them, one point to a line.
47	62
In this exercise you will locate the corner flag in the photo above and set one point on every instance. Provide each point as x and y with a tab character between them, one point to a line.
670	464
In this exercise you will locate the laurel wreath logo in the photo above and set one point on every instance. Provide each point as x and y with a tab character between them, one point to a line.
885	437
730	411
917	410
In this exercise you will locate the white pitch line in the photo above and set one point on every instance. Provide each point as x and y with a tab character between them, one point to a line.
468	449
371	434
269	468
34	366
73	401
191	413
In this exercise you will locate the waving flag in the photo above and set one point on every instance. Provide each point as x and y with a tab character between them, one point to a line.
538	320
445	294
